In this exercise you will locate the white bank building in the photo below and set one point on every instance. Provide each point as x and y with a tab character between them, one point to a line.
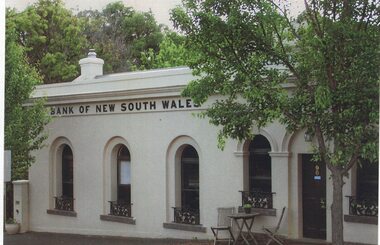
126	156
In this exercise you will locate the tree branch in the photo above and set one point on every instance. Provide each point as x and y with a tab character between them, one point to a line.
235	55
284	57
334	10
314	20
322	147
353	159
363	15
284	12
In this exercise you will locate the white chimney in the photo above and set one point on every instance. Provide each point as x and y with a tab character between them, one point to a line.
90	66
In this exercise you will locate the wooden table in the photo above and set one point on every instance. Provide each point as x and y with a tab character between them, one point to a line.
247	222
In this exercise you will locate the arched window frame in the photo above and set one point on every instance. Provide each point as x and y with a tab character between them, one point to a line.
115	210
187	209
60	203
173	180
258	196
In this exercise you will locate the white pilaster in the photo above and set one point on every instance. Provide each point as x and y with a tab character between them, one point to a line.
21	204
280	185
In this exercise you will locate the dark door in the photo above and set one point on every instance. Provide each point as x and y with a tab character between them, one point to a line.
313	198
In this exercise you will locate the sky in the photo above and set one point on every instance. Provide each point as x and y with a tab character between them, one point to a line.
160	8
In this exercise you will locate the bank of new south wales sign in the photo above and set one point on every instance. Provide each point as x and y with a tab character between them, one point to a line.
132	106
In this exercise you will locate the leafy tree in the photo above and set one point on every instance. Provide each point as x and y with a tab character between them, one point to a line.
120	34
52	37
172	52
331	54
23	124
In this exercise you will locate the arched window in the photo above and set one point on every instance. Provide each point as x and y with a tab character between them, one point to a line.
122	205
66	200
259	194
190	178
124	175
260	176
67	172
188	213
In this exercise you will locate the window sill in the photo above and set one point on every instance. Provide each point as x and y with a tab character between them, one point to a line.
185	227
360	219
62	212
262	211
119	219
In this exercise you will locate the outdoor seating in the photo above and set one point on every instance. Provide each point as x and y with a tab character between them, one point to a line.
244	221
271	232
223	231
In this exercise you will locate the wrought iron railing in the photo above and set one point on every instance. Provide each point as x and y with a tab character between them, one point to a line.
186	216
363	206
120	208
64	203
257	199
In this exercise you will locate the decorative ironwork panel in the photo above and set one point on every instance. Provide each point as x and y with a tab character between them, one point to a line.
363	207
257	199
64	203
119	208
186	216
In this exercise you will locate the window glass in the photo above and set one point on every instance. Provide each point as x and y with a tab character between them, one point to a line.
125	173
260	169
190	178
367	180
67	172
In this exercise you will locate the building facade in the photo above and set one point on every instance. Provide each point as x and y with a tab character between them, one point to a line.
126	156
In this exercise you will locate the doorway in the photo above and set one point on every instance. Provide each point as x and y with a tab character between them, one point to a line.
313	198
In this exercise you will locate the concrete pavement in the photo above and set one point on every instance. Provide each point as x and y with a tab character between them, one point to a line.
44	238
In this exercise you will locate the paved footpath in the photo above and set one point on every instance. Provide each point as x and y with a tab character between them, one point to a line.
42	238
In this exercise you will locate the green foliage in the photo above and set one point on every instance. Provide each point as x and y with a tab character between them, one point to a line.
52	37
23	124
247	50
247	205
11	221
120	35
172	52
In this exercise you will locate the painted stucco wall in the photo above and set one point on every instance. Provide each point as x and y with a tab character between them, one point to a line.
152	137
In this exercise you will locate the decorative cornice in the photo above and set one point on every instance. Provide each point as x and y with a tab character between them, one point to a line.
113	96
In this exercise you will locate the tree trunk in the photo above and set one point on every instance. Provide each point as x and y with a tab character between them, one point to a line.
337	208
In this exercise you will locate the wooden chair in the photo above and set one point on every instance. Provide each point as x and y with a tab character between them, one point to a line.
223	231
272	232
